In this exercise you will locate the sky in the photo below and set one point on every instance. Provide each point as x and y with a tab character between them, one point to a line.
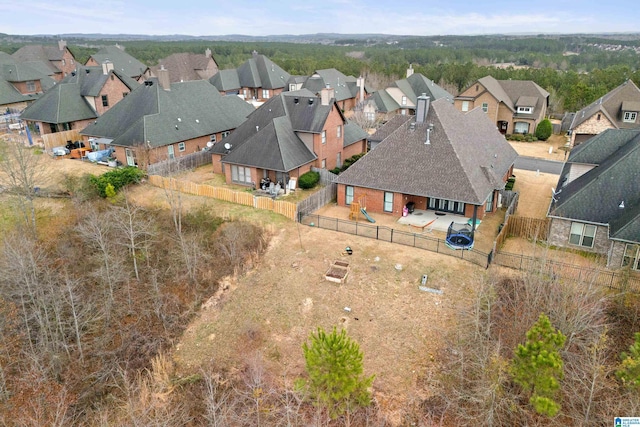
277	17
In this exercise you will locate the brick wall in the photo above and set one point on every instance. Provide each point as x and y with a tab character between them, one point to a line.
160	153
22	87
114	89
559	236
615	255
592	126
333	145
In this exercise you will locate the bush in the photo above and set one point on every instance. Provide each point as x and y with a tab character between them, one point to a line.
510	182
308	180
336	170
544	130
118	178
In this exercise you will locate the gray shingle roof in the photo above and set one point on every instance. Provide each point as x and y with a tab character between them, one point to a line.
384	102
344	86
225	80
353	133
13	71
464	161
66	102
260	72
412	87
42	54
160	117
121	60
611	106
596	195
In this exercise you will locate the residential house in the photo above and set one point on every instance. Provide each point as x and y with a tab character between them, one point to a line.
596	204
184	67
159	120
122	62
401	96
285	137
514	106
79	99
349	91
257	79
20	84
55	61
618	109
441	159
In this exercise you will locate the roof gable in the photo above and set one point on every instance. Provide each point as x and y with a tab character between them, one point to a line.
122	61
611	105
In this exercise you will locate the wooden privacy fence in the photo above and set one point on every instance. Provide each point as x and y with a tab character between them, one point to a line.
286	209
59	139
529	228
189	161
509	198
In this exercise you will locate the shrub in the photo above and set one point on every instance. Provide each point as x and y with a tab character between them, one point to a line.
510	182
544	130
336	170
118	178
308	180
351	160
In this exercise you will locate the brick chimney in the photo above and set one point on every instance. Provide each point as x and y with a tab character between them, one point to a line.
410	70
106	67
422	108
327	94
207	53
163	78
62	44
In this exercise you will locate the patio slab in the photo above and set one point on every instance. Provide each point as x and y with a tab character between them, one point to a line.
430	220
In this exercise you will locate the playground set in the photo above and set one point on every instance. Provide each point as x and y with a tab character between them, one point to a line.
360	208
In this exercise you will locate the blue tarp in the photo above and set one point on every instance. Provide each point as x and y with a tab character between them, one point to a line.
97	156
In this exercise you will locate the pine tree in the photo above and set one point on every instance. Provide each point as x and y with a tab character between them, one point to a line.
334	365
629	370
537	366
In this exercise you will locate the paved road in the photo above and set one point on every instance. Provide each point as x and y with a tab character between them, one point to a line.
533	164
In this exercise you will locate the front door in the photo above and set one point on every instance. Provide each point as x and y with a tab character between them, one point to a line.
131	160
503	126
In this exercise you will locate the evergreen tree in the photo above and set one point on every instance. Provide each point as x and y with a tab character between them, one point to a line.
537	366
334	365
544	130
629	370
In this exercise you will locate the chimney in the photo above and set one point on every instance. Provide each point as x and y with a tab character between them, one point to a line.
62	44
410	70
422	109
327	94
254	53
207	53
360	84
163	78
120	47
106	67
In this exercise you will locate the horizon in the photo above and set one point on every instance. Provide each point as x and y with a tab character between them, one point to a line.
291	18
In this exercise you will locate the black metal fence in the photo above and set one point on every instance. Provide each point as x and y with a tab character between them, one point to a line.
392	235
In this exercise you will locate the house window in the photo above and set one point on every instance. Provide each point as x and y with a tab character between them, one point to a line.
388	201
324	136
212	138
371	116
521	127
225	134
170	151
404	100
403	112
631	256
465	105
31	86
63	62
339	159
489	204
265	93
339	132
348	195
485	107
324	164
477	88
446	205
630	116
182	146
598	116
240	174
525	110
292	87
125	94
582	234
105	101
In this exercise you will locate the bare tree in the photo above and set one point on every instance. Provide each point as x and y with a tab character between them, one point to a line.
21	172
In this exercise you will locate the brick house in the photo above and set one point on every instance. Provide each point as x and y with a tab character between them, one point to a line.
184	67
441	159
20	84
56	61
285	137
159	120
122	62
596	204
79	99
401	96
514	106
256	80
348	90
618	109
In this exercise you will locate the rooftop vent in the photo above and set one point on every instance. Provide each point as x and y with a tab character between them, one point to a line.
296	100
310	101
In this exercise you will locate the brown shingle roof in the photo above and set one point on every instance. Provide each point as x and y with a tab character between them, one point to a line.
611	105
187	67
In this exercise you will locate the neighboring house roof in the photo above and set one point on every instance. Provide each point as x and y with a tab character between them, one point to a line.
465	160
412	87
353	133
13	71
66	102
159	117
345	87
41	54
226	80
122	61
596	196
257	72
611	105
187	66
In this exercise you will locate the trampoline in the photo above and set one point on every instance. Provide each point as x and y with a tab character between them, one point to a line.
459	236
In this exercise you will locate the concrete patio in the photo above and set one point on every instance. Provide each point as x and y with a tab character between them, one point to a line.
424	221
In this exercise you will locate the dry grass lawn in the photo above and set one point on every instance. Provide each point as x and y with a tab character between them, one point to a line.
540	149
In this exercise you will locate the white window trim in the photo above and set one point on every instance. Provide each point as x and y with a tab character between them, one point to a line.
485	107
339	131
582	234
348	198
404	100
265	93
525	110
465	106
212	138
633	258
324	136
630	117
182	146
387	202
